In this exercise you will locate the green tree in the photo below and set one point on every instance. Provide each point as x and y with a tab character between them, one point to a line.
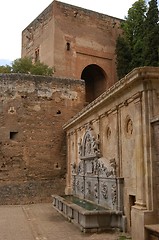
151	36
133	34
22	65
123	58
25	65
5	69
41	69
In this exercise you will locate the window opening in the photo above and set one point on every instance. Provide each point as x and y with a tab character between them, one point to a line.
68	46
37	55
58	112
13	135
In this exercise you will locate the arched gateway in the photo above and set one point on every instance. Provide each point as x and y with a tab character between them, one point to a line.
95	81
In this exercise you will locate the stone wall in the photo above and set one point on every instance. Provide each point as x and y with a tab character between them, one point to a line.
32	142
124	122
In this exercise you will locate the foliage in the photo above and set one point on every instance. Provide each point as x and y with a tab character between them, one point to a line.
41	69
25	65
151	38
22	65
139	43
123	237
5	69
123	53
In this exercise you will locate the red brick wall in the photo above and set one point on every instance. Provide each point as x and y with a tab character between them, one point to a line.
33	110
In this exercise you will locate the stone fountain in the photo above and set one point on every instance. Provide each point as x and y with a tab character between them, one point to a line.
94	181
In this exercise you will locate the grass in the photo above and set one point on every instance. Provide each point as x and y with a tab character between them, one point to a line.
124	238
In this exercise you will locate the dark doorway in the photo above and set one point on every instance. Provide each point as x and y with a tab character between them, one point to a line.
95	81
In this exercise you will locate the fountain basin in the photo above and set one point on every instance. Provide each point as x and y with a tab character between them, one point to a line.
88	216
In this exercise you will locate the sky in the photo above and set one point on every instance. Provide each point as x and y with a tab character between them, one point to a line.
16	15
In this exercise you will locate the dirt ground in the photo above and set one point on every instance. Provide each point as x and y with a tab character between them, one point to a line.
43	222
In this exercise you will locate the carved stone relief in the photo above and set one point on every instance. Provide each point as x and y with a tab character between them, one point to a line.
82	187
96	190
74	184
95	176
113	194
89	147
80	168
95	167
78	185
104	190
88	187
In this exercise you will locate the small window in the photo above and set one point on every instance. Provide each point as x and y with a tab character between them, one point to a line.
37	55
68	46
58	112
13	135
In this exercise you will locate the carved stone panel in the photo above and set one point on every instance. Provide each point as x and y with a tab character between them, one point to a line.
94	177
79	186
92	189
108	192
89	146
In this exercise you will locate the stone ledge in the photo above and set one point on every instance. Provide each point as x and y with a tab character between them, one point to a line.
153	228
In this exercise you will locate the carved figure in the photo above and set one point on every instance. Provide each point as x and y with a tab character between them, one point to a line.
80	168
88	146
113	194
113	167
82	187
78	185
104	190
96	190
95	145
89	187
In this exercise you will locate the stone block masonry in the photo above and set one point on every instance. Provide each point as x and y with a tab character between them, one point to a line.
32	142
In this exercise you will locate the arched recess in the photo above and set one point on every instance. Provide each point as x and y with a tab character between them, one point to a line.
95	81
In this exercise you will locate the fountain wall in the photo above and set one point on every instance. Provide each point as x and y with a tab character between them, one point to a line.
111	155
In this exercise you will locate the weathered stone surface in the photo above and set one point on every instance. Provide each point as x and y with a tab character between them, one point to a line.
32	142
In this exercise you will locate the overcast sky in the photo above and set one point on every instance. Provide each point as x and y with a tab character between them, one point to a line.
15	15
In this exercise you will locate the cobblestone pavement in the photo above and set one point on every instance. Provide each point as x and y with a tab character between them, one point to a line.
41	222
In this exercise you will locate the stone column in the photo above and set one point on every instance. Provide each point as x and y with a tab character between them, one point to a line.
68	189
140	188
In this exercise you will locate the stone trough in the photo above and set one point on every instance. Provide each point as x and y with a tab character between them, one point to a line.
92	218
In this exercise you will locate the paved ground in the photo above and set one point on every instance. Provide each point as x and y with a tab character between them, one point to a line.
41	222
